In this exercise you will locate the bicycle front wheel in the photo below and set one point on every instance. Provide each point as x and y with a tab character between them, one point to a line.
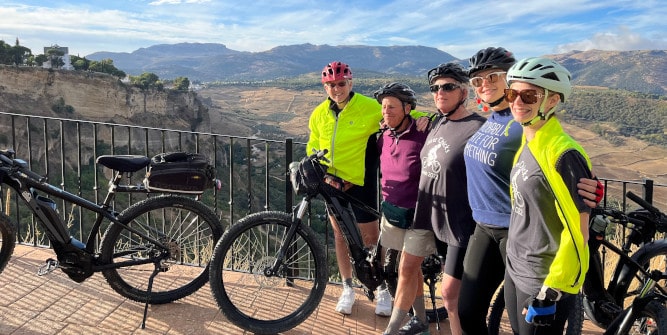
251	297
7	240
650	320
187	227
652	256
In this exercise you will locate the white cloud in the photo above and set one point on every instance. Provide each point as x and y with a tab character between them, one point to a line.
623	39
527	28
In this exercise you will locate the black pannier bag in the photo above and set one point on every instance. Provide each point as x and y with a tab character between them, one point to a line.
180	172
306	176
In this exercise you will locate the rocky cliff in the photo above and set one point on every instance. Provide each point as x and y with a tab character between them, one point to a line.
97	97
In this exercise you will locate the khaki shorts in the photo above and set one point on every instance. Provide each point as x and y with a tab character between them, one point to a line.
417	242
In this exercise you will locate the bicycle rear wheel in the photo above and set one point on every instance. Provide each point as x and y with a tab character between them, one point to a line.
190	230
254	300
7	240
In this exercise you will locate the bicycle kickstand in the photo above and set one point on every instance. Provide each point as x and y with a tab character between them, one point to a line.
431	289
148	295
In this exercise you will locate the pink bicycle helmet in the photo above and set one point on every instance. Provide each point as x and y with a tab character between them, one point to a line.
336	71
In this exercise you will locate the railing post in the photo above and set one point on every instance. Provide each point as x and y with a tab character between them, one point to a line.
648	190
288	185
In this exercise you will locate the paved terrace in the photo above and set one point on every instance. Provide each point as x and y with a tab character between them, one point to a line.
53	304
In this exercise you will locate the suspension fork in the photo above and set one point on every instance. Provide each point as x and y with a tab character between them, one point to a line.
624	322
297	219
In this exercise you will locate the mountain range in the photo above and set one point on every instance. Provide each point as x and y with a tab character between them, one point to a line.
207	62
642	71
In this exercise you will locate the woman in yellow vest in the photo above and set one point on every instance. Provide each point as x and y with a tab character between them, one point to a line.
547	251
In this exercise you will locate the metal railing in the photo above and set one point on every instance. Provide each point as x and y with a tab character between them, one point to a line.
252	170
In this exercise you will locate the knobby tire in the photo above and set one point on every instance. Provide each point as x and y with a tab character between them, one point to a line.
189	228
246	295
630	284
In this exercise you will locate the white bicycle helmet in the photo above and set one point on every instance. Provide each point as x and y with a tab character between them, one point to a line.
542	72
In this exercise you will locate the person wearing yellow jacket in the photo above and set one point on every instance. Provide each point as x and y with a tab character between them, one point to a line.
547	250
346	124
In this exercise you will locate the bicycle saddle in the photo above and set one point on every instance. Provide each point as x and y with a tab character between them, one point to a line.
124	163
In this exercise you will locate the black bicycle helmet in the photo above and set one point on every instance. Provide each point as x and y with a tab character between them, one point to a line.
397	90
490	58
448	70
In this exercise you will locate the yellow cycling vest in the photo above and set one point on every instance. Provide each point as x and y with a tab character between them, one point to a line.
568	270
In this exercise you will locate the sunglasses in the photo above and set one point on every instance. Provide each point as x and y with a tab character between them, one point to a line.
491	78
448	87
339	84
527	96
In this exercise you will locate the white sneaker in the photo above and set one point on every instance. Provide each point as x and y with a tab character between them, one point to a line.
383	306
345	301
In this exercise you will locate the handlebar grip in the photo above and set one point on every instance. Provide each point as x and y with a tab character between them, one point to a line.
643	203
33	175
319	155
5	159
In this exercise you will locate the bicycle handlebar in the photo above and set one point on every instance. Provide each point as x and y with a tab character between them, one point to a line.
645	204
18	165
319	155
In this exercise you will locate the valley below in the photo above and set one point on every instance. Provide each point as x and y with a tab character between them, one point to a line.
277	113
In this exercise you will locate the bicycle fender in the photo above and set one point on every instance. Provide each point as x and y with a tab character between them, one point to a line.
627	273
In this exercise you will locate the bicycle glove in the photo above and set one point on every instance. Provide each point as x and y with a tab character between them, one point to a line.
542	308
541	312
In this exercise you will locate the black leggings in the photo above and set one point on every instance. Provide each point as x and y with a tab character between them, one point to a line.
453	258
483	271
515	302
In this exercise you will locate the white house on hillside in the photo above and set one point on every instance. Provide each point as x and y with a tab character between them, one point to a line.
66	59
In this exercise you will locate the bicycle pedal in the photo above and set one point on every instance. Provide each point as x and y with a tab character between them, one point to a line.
50	265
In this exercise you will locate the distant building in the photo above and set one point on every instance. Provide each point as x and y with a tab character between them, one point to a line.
65	57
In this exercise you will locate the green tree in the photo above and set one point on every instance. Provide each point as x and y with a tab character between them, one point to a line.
19	54
147	80
40	59
80	63
5	53
106	66
55	58
181	84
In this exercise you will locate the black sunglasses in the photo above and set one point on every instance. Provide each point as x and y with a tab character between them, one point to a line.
527	96
448	87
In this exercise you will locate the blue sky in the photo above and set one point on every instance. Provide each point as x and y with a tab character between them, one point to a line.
526	27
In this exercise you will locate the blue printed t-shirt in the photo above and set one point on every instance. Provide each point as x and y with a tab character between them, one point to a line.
489	155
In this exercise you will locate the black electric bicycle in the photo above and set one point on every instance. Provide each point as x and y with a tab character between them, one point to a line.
269	270
633	300
163	234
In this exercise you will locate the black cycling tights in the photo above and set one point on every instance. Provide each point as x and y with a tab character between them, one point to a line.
483	271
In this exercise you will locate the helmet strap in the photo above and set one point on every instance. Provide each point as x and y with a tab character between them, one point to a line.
540	112
497	102
454	109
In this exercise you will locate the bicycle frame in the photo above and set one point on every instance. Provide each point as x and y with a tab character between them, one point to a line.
346	222
26	183
628	267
